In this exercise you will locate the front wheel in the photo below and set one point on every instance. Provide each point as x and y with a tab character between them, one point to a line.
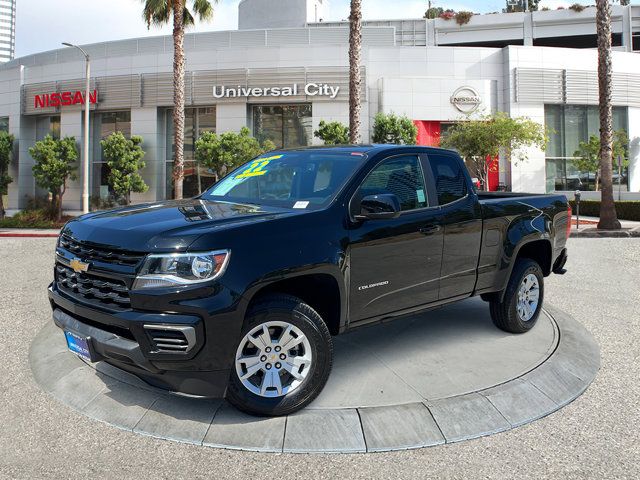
519	310
283	359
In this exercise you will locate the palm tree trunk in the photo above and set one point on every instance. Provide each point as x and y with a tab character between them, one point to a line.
178	97
608	216
355	47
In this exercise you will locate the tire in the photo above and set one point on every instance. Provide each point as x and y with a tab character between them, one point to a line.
512	314
301	371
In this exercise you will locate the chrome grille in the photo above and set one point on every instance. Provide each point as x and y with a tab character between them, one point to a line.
90	253
93	289
171	339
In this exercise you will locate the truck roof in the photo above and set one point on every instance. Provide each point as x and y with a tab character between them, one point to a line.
363	148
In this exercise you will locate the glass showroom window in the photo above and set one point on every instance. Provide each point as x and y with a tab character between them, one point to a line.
288	126
196	121
4	124
104	124
570	125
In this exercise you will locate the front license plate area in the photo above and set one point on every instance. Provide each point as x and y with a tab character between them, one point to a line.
81	346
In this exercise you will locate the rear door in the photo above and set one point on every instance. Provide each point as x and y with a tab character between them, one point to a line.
395	263
461	218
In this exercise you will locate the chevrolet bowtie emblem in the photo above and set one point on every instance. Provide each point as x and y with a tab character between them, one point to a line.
78	265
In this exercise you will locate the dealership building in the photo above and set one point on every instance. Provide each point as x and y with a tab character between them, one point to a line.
285	69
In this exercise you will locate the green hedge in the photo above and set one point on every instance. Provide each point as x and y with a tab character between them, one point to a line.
628	210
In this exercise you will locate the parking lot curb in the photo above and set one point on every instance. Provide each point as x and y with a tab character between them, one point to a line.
117	398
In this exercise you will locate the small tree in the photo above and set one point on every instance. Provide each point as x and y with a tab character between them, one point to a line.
480	140
55	165
390	128
6	147
433	12
588	154
223	152
124	158
332	133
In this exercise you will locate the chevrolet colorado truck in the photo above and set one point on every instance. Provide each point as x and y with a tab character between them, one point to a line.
238	292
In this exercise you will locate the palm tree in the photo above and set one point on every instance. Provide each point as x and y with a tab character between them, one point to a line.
160	12
608	216
355	46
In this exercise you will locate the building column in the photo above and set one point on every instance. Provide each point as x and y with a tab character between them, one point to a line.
231	117
634	149
146	124
24	130
627	36
528	29
329	112
71	126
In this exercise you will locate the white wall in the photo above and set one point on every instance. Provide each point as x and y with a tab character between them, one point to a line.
257	14
634	150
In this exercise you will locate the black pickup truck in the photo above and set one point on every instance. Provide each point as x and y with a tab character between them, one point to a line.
239	291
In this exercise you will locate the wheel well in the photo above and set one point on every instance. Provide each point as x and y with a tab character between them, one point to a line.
539	251
319	291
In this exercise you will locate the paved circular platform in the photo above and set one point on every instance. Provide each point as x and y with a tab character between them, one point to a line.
438	377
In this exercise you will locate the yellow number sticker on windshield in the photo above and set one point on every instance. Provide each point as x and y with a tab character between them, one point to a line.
257	167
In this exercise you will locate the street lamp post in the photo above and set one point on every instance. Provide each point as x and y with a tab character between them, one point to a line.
85	142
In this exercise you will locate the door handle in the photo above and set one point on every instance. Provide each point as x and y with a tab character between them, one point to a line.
429	229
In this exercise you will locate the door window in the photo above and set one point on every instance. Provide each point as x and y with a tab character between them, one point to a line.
401	176
449	176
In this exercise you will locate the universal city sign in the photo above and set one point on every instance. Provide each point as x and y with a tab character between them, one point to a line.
310	90
466	99
63	99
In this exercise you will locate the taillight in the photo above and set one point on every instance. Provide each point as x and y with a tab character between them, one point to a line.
569	217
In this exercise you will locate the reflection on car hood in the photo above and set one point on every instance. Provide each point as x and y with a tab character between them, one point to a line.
165	226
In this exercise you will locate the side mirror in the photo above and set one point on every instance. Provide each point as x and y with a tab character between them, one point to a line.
379	207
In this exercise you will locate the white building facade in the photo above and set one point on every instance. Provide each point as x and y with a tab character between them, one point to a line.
280	82
7	30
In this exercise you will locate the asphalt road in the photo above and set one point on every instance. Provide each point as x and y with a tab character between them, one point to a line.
597	436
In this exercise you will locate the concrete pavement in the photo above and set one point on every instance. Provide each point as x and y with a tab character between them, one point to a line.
596	436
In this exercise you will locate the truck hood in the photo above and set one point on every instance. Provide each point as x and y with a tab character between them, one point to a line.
165	226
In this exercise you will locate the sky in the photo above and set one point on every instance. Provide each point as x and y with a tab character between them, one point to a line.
40	27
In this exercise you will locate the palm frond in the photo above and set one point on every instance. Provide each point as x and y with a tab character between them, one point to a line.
156	12
187	18
204	8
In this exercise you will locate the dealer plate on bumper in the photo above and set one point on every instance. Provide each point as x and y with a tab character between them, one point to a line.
81	346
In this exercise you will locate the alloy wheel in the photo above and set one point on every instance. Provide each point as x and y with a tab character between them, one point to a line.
273	359
528	297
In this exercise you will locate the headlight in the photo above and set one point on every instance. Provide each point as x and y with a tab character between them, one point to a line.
173	269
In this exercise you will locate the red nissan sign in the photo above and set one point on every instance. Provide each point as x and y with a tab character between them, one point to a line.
63	99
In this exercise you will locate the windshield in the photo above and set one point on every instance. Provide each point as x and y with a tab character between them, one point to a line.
296	179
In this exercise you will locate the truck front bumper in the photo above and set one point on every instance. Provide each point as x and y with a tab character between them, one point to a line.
129	341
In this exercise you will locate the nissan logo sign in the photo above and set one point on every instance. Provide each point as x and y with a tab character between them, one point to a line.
466	99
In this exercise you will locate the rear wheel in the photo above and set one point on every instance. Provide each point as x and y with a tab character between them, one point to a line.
518	312
283	359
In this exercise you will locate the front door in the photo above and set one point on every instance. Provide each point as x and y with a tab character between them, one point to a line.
395	264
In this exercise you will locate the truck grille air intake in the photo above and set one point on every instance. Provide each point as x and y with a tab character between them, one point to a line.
171	339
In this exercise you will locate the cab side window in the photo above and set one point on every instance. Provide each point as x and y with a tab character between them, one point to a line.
449	176
401	176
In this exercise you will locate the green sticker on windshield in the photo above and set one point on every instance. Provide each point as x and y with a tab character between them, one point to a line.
257	167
